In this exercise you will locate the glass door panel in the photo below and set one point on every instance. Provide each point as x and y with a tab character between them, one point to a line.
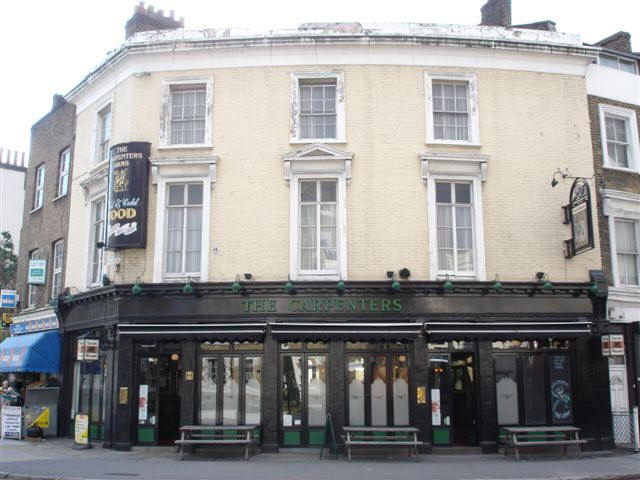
252	389
230	393
208	391
292	394
378	391
317	389
147	399
355	379
400	365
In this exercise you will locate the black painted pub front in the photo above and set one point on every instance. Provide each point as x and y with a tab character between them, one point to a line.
458	363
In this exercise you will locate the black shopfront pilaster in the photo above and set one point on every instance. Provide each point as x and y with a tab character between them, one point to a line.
270	404
487	387
422	411
123	420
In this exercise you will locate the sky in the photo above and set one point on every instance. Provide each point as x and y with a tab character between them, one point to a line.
47	46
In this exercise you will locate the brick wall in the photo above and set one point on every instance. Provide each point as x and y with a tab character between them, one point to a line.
606	177
41	228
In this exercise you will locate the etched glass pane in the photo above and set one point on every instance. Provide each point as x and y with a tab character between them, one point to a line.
317	389
400	390
230	392
378	391
506	389
252	389
208	391
355	381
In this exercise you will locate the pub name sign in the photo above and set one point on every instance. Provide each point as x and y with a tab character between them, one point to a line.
128	190
322	305
578	215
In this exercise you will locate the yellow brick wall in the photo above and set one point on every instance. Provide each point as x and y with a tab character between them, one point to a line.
530	124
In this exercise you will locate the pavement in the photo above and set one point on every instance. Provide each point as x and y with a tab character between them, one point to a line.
56	459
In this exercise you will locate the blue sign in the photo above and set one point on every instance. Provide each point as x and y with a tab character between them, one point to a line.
38	325
8	299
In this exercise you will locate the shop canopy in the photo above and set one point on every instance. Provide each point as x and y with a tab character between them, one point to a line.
31	352
221	332
505	330
347	331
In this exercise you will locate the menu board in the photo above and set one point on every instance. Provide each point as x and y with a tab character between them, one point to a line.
561	395
12	422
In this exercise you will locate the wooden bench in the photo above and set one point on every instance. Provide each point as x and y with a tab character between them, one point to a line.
381	437
216	435
518	437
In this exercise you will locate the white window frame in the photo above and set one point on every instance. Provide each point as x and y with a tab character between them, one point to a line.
38	195
165	119
631	125
451	167
63	172
295	129
317	162
617	58
625	206
472	107
32	290
98	130
182	170
56	269
91	244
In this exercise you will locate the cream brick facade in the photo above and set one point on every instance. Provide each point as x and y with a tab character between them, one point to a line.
531	123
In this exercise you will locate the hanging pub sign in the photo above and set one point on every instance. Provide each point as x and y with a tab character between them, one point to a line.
127	201
578	215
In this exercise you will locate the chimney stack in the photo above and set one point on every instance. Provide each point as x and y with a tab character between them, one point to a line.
496	13
58	101
147	19
620	41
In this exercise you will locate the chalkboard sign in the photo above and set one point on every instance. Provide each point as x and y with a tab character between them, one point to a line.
329	437
561	395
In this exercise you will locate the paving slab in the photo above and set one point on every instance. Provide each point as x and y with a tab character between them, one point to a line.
56	459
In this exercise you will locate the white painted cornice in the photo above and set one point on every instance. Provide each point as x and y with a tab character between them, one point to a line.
183	166
621	204
452	164
318	158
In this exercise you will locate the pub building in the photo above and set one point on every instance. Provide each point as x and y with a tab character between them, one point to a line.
458	360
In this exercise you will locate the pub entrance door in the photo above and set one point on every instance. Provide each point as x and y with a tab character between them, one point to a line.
453	398
158	380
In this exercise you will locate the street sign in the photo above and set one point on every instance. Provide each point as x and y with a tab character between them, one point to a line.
8	299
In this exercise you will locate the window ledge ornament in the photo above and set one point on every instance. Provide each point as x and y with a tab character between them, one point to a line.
184	167
317	158
97	175
453	164
620	204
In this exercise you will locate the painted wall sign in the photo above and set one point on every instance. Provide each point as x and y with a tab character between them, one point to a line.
578	215
128	191
37	272
8	298
12	422
322	305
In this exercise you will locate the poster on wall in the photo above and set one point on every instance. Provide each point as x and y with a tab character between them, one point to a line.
127	195
617	344
436	414
91	349
143	402
12	422
561	395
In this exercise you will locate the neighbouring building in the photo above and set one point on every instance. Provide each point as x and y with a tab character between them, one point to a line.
12	175
43	244
613	87
339	218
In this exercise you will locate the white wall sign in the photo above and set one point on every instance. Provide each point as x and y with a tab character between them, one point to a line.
436	414
37	272
12	422
617	344
80	353
91	349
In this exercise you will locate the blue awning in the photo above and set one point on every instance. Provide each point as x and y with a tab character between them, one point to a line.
32	352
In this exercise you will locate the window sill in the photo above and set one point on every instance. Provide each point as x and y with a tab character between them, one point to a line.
317	277
181	277
35	209
441	277
59	197
453	142
305	141
186	146
620	169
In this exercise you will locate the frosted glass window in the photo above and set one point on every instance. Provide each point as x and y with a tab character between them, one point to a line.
188	115
252	389
184	228
317	389
506	389
355	380
208	391
378	391
230	391
400	390
317	110
454	219
450	111
318	225
627	251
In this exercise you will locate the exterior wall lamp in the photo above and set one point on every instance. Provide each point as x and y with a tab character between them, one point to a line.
137	288
188	288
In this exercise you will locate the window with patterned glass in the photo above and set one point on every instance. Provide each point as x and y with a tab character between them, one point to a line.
628	251
183	228
188	112
318	108
318	226
450	110
454	219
